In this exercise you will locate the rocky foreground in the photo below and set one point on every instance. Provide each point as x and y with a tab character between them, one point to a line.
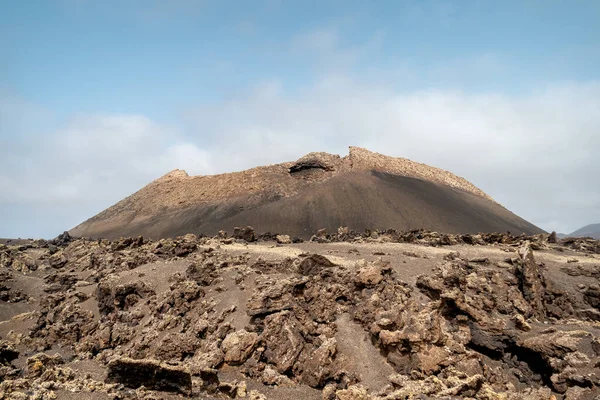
377	315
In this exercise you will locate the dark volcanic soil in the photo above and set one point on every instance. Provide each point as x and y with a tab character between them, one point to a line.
354	199
363	190
381	315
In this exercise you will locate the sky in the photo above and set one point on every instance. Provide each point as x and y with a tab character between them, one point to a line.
99	98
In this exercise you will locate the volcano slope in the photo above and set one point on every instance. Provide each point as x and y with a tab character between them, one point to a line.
347	316
362	190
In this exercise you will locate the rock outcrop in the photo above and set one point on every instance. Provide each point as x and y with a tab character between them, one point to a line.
382	315
150	374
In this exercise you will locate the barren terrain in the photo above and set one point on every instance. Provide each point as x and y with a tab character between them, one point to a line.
363	190
375	315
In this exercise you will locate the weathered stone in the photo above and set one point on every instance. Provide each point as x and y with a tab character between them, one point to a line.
521	324
354	392
120	297
37	364
274	296
283	239
430	359
314	264
246	234
238	346
7	352
318	367
274	378
283	340
210	379
149	373
370	274
184	248
530	279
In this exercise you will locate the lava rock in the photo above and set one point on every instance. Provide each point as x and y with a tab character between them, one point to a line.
283	239
238	346
7	352
314	264
283	340
150	374
246	233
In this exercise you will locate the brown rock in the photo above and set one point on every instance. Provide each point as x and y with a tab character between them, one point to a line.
371	273
37	364
354	392
150	374
555	344
238	346
530	278
521	324
120	297
318	367
314	264
176	346
431	359
283	340
274	378
283	239
210	379
274	296
7	352
246	234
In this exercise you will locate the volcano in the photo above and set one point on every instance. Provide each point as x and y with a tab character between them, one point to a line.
363	190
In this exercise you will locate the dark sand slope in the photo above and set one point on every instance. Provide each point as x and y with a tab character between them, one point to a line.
353	191
592	230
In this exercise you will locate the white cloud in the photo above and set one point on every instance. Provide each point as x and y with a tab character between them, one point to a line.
84	166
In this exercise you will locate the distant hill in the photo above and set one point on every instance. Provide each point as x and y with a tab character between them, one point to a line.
320	190
592	230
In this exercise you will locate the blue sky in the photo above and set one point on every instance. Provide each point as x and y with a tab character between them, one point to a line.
98	98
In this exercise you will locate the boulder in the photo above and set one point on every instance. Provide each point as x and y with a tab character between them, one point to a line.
272	296
283	340
314	161
183	249
283	239
37	364
530	278
318	367
354	392
370	274
7	352
314	264
62	240
238	346
150	374
246	234
120	297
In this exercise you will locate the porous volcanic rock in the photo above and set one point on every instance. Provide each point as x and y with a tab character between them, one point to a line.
149	373
375	315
